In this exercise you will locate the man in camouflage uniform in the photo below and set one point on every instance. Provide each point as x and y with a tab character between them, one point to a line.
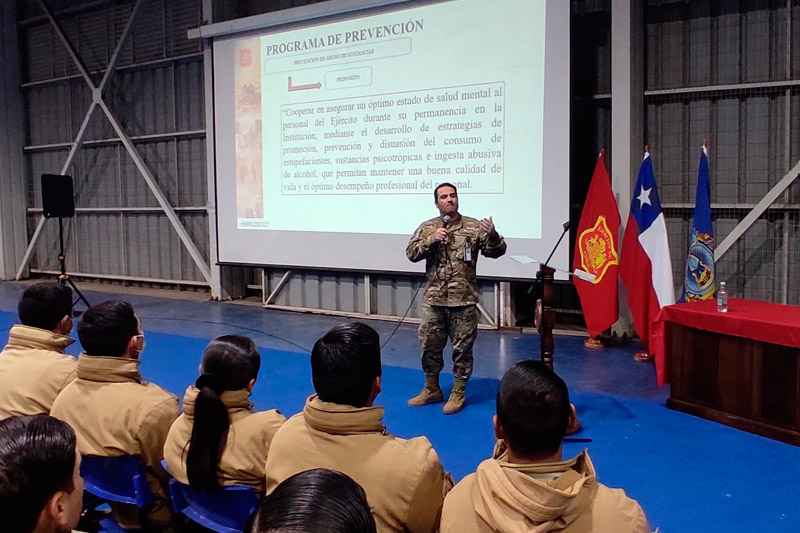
449	305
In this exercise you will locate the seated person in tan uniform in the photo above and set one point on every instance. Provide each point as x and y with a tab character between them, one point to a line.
340	428
527	486
314	501
219	440
33	367
112	409
41	490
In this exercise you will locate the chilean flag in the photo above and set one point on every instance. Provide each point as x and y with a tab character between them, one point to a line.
645	266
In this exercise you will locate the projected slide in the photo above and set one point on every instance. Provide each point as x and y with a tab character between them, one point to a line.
346	127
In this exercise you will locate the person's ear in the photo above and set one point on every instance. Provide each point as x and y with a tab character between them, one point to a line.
135	347
56	511
376	389
251	384
64	326
498	428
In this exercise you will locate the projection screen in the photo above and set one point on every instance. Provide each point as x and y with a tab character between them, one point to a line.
331	133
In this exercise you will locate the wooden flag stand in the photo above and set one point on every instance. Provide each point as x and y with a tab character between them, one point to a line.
545	319
592	343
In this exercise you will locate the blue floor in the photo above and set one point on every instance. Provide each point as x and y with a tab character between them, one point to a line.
689	474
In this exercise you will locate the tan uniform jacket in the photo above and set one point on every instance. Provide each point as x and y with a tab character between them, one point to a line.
33	370
404	480
450	266
249	438
508	498
114	412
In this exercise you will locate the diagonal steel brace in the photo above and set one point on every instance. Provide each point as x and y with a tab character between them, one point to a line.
144	170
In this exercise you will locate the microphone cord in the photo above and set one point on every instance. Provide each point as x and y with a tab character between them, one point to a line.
443	248
277	337
410	304
244	328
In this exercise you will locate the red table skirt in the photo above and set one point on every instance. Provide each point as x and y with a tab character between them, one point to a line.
761	321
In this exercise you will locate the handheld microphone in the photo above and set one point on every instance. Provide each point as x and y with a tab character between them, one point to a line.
446	220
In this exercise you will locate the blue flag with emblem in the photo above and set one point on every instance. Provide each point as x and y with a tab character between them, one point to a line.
699	281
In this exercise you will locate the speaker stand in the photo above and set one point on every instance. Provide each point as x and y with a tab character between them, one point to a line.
64	278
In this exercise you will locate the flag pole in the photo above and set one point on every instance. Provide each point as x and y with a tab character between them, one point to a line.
643	355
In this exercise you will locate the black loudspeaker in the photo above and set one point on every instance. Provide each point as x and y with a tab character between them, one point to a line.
58	198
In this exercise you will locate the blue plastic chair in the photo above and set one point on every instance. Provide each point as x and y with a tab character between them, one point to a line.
116	479
225	510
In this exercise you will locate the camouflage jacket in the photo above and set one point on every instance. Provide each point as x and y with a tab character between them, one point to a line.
449	268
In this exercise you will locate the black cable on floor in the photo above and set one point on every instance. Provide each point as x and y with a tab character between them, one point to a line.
287	341
411	303
245	328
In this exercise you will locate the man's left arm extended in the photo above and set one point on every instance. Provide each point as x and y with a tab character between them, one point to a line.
490	242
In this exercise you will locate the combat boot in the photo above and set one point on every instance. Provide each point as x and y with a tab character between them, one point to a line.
432	393
457	400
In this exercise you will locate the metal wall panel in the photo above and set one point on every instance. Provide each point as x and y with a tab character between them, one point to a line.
728	48
123	233
46	252
191	172
152	249
182	15
97	183
590	115
12	182
795	39
84	228
313	289
189	103
148	38
753	130
197	227
144	100
49	111
161	159
134	191
393	296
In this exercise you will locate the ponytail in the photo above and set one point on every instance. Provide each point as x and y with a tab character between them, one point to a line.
209	434
229	363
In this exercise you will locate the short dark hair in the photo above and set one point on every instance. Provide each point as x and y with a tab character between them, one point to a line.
43	305
345	363
106	328
533	409
314	501
229	363
445	184
37	459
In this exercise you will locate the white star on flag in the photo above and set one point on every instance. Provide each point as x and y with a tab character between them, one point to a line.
644	197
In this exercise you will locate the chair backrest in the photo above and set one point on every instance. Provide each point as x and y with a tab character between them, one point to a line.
225	510
117	479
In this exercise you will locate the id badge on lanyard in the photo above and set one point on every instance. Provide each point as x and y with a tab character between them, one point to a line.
468	250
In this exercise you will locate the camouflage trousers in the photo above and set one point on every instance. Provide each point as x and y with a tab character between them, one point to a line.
460	324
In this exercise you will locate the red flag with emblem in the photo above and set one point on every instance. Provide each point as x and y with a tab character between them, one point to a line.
596	253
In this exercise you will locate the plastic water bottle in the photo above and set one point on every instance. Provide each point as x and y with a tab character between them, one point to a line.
722	298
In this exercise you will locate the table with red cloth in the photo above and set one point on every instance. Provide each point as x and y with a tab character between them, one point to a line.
741	368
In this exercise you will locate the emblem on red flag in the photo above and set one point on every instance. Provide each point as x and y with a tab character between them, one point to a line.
596	246
245	57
